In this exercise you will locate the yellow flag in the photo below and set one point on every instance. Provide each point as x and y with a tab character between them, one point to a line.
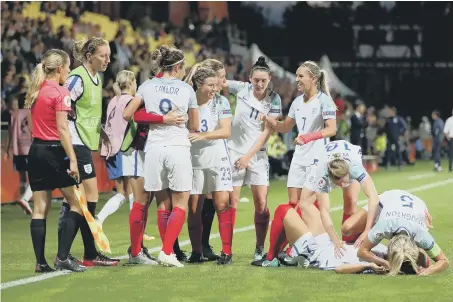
98	234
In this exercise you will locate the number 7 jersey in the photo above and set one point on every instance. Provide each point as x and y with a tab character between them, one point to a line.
246	126
161	96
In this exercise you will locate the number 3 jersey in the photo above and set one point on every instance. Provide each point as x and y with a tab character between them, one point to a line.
310	118
343	150
211	153
246	126
160	97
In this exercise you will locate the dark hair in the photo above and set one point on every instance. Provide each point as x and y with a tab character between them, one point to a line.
166	58
436	112
260	64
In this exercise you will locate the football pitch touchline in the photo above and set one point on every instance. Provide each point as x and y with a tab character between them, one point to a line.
42	277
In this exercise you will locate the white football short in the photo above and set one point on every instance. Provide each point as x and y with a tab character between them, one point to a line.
298	176
257	173
168	167
210	180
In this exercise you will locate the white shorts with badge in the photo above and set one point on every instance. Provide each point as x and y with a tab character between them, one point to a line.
129	163
298	176
210	180
257	173
168	167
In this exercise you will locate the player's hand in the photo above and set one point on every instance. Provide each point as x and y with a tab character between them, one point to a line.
196	137
339	249
423	272
7	155
380	270
242	163
174	118
359	240
73	170
299	141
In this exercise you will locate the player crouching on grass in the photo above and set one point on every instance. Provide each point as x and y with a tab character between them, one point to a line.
403	220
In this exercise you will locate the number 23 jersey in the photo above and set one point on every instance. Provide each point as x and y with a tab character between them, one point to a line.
160	97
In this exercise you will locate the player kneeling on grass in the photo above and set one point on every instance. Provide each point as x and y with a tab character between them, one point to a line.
340	165
403	220
52	160
211	164
313	247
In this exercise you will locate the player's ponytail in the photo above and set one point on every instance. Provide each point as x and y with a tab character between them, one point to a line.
188	78
322	82
402	248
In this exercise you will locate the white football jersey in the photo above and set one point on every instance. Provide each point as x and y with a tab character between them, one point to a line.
211	153
160	97
246	127
309	118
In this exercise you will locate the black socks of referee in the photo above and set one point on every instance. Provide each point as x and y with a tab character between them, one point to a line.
38	237
207	216
69	228
87	237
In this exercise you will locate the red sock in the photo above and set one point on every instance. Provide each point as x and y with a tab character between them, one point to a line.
261	227
226	230
277	234
162	219
351	238
195	227
233	216
136	229
174	226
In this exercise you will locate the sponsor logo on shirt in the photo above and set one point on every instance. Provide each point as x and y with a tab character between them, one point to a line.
67	101
321	183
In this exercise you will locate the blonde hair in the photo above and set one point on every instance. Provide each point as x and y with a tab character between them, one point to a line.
319	74
337	168
84	47
124	80
52	59
402	248
189	76
213	64
200	75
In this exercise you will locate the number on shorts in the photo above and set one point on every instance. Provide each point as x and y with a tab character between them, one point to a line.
204	125
332	146
165	106
407	201
224	172
254	112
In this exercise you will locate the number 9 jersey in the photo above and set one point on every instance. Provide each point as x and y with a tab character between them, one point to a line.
162	96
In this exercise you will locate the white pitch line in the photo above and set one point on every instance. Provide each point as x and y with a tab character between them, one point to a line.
42	277
421	176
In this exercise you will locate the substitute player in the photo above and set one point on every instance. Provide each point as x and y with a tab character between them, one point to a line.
167	152
19	140
52	160
339	165
247	144
85	90
403	220
211	164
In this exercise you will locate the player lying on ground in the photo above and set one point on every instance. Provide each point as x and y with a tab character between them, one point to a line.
313	247
340	165
404	221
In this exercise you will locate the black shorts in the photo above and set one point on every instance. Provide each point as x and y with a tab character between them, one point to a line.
85	162
47	166
20	162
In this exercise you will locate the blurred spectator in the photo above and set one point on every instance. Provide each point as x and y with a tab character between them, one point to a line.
358	125
395	127
448	131
424	131
438	137
371	133
276	151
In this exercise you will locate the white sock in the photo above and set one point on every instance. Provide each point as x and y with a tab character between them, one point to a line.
304	245
112	205
131	200
27	194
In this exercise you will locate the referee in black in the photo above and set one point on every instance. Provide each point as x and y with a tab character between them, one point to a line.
52	162
438	136
395	127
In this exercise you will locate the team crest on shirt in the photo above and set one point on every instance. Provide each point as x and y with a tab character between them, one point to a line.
88	169
67	101
321	183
